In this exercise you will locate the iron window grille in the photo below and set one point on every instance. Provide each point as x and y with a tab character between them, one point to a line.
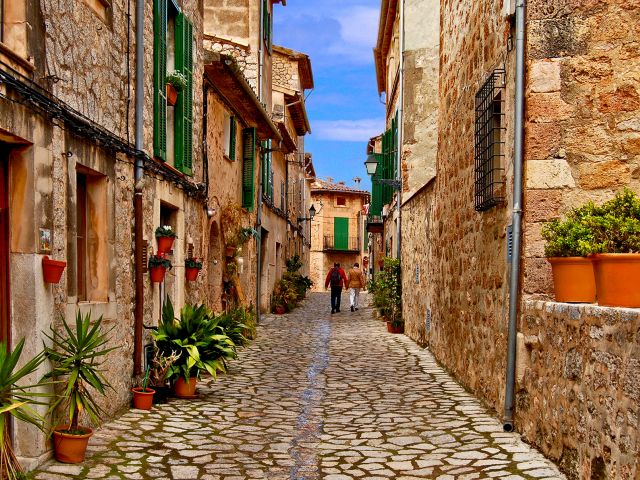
489	143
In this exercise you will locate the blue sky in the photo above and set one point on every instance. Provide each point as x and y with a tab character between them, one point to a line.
344	109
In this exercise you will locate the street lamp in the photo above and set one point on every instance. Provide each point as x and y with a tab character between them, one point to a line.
371	164
312	213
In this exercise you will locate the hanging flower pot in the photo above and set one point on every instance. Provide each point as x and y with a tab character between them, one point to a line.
573	279
192	268
142	398
52	269
70	447
165	236
172	95
158	266
617	278
157	274
230	250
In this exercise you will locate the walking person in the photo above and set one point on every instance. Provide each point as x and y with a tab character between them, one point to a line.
356	282
337	279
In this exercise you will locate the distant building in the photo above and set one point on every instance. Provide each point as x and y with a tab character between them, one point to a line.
337	231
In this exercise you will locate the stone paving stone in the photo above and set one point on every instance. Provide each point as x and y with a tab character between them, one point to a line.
316	396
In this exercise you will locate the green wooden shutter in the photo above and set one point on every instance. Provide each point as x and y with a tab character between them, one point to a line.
184	105
341	233
263	166
232	138
248	167
270	170
376	190
160	79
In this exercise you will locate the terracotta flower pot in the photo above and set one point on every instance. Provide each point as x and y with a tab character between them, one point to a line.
157	274
142	399
280	309
70	448
184	389
52	269
617	279
165	244
396	329
230	251
192	274
172	95
573	279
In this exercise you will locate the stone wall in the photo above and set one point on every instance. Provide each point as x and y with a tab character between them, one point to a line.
582	136
285	72
578	387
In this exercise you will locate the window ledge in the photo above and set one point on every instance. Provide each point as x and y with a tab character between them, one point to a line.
25	63
575	311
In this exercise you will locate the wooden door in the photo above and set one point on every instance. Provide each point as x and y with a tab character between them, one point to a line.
341	233
5	325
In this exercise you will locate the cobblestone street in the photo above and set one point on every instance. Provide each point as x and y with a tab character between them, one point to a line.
316	396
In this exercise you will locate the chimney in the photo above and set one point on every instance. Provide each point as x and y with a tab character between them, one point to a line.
357	181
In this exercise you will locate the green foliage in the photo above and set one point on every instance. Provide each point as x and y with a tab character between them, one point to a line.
165	231
387	291
294	264
159	261
197	337
193	262
291	289
77	357
239	325
177	79
613	227
16	401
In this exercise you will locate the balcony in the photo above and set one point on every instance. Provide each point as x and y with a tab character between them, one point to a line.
375	224
341	244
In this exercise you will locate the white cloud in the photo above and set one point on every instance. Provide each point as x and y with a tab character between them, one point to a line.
348	130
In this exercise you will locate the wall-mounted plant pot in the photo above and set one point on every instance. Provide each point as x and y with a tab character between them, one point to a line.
142	398
165	244
617	279
52	269
191	274
395	329
172	95
573	279
230	251
157	274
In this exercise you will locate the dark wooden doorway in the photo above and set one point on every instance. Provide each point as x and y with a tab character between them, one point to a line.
5	312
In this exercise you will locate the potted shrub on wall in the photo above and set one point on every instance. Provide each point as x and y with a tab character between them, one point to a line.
199	340
615	226
158	266
176	82
568	244
165	236
77	356
52	269
16	400
192	268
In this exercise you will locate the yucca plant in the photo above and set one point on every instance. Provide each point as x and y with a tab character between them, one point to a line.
77	357
16	401
197	337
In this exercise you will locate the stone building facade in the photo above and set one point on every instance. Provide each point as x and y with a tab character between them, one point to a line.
576	364
338	229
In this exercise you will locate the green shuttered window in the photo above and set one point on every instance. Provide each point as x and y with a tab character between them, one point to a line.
160	79
267	170
248	167
232	138
341	233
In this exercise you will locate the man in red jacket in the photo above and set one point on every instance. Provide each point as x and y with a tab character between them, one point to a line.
337	279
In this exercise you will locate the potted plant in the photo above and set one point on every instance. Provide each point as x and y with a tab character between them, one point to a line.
388	295
192	268
176	82
158	265
568	243
165	236
16	401
52	269
615	245
158	374
200	341
143	396
77	356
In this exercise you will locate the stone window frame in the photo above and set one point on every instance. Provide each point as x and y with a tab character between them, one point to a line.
103	9
341	201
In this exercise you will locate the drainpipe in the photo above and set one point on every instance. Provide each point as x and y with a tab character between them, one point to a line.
514	284
137	205
399	124
259	250
261	51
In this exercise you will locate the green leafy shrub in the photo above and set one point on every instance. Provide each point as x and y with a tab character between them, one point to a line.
293	286
238	323
159	261
165	231
177	79
193	262
197	337
387	292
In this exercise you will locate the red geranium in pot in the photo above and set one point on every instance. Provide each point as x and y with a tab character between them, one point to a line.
158	266
192	267
165	236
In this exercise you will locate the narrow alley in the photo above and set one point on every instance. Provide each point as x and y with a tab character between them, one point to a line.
316	396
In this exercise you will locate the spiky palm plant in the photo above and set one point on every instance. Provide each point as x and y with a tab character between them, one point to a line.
16	401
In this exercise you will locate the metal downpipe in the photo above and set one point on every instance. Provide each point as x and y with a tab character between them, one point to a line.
400	129
514	284
137	205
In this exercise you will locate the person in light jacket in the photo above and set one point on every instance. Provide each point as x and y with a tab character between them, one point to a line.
356	282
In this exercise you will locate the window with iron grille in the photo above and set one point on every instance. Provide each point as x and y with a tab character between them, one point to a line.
489	143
